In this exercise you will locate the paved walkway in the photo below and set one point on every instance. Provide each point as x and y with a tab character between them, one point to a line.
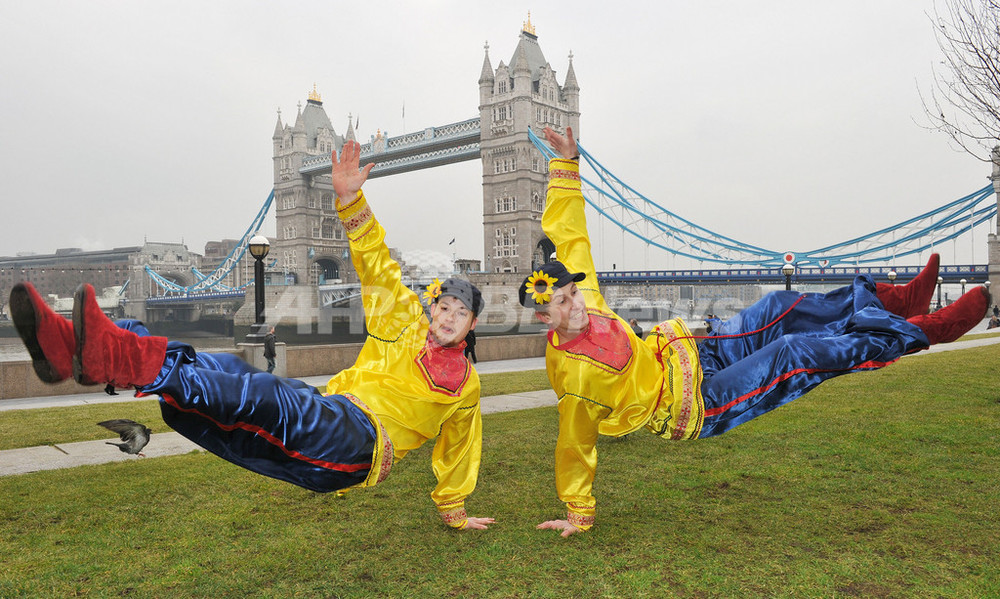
68	455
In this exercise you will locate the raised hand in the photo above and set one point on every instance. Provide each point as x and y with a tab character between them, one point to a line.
347	178
564	145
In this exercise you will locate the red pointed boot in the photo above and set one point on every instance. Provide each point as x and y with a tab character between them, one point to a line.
914	298
47	336
953	321
108	354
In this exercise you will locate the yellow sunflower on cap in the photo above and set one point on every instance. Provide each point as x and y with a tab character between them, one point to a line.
540	285
433	291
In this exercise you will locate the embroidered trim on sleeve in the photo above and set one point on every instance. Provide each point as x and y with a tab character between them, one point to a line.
455	518
579	520
563	174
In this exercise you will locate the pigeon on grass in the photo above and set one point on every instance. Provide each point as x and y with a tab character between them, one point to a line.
134	435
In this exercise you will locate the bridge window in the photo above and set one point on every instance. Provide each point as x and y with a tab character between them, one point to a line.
537	202
505	245
289	232
288	202
505	203
328	229
327	202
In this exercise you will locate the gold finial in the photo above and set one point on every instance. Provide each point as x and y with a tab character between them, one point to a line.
527	27
314	95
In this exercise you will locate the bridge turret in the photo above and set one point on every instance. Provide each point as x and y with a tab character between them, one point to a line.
486	78
571	93
521	72
299	132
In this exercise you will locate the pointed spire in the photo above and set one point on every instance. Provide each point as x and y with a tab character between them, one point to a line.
486	76
571	84
279	129
299	123
350	129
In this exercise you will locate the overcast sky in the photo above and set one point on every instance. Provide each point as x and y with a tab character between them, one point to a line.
786	124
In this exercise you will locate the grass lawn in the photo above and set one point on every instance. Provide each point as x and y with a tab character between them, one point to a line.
881	484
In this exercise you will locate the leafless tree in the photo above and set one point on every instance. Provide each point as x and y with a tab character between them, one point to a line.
964	101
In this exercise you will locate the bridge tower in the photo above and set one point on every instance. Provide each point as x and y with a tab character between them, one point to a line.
513	98
311	245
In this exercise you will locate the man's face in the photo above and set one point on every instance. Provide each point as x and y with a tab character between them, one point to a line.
566	313
451	321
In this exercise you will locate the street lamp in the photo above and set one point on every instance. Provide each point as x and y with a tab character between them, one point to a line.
963	281
259	247
788	270
892	277
940	280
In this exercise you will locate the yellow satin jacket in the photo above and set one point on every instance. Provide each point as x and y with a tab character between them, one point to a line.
607	380
416	388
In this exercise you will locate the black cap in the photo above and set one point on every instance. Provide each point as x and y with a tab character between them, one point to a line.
555	270
465	292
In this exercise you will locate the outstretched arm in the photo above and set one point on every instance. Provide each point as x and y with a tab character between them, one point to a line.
389	305
347	177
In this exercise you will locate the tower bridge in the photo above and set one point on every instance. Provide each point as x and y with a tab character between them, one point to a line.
518	98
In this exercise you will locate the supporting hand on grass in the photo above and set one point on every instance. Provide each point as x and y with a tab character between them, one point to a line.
563	525
478	523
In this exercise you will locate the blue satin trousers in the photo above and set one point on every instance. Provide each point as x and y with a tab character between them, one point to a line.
787	343
278	427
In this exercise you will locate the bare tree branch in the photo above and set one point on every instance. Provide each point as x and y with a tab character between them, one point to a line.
964	100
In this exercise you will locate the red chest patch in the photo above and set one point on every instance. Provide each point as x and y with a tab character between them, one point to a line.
605	342
446	369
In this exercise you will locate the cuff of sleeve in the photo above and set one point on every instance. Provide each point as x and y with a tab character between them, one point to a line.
582	519
454	517
355	215
561	168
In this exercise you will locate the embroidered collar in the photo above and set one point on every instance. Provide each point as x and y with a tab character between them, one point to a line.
446	369
605	342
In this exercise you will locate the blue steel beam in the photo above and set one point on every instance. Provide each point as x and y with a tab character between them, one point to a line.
973	273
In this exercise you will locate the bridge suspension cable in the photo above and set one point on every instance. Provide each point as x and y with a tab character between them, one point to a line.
213	280
656	226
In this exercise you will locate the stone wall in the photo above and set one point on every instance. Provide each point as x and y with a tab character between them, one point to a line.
18	380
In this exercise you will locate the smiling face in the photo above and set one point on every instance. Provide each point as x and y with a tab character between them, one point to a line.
566	314
451	321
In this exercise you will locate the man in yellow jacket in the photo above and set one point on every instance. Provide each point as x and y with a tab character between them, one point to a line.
610	382
412	381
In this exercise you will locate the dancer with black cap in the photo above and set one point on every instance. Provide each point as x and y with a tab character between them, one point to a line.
412	381
610	382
